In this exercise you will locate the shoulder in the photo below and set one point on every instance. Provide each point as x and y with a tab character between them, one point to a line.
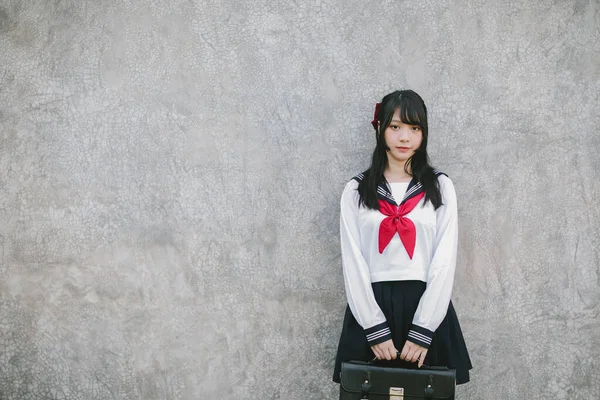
356	179
446	187
352	185
350	192
442	177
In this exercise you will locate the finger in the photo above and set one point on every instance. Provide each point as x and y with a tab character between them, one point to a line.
408	350
417	356
387	353
422	360
392	352
381	353
395	353
411	356
377	352
404	352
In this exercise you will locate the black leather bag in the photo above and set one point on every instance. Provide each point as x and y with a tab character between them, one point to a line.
364	380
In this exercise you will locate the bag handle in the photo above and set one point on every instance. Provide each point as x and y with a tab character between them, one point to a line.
374	360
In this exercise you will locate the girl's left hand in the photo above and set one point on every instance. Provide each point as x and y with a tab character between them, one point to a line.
412	352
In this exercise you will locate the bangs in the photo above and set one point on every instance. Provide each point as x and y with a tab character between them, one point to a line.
412	109
410	115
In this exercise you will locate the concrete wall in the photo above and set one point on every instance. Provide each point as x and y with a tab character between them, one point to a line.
170	173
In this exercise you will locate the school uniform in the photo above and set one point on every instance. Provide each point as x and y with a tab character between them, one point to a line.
398	265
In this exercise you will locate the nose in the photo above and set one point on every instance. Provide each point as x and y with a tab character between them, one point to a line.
403	134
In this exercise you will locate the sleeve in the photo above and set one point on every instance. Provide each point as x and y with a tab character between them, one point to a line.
357	278
433	305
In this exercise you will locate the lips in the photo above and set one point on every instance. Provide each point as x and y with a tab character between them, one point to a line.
403	148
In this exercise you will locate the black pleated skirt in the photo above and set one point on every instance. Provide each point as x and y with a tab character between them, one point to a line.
399	300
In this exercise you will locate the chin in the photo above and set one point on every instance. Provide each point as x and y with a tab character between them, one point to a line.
402	157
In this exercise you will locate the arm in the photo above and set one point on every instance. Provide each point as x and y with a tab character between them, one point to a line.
357	279
440	276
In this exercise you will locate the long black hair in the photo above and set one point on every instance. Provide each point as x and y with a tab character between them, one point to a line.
412	112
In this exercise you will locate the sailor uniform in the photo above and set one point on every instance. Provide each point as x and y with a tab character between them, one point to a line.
398	265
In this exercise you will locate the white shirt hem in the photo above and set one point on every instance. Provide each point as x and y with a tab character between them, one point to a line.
398	275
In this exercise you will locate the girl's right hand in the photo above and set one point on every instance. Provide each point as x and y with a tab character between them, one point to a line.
385	350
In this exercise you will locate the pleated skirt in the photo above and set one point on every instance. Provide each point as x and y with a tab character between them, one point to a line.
398	301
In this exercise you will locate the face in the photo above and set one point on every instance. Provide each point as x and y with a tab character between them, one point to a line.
402	139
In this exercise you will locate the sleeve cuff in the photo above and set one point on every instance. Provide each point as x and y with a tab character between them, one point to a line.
378	334
420	336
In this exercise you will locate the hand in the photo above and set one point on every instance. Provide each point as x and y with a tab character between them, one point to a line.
385	350
412	352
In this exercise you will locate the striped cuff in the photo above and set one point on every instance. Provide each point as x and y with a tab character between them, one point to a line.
378	334
420	336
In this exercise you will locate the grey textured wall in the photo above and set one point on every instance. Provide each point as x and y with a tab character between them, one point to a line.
171	171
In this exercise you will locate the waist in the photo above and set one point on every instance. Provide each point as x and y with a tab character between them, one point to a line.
398	274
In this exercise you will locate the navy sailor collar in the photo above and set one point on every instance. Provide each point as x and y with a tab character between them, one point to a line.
384	193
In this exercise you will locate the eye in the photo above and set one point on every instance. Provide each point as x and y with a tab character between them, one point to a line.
416	128
394	127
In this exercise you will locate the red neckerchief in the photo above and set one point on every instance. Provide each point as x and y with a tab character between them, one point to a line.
397	222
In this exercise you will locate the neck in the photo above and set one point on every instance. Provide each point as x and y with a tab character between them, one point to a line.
395	170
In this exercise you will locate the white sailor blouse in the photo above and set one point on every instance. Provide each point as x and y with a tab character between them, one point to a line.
409	240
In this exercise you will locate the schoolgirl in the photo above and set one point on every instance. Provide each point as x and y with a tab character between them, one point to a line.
399	234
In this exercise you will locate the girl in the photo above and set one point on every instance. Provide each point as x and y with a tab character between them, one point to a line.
399	233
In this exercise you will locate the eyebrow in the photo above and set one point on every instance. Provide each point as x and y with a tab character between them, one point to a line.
402	122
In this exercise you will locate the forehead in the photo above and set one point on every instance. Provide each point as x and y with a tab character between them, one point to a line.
397	117
405	116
